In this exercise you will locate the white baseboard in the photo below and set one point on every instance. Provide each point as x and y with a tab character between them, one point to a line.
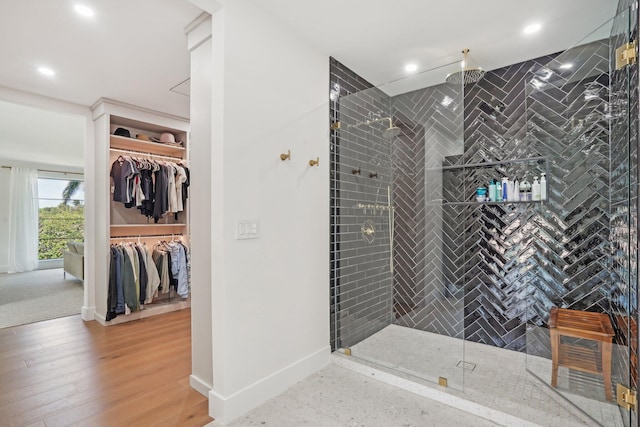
225	409
88	313
200	386
150	310
48	264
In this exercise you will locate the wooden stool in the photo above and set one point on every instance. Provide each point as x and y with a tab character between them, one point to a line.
581	324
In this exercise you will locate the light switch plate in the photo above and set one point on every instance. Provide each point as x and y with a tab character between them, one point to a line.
247	229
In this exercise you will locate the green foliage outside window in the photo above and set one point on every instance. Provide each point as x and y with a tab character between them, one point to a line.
57	226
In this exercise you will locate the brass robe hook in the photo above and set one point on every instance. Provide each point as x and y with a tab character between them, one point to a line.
314	162
285	156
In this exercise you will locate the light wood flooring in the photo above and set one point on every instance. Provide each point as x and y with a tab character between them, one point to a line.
68	372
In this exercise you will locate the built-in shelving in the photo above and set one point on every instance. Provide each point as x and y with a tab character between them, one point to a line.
133	230
474	175
129	224
538	160
146	147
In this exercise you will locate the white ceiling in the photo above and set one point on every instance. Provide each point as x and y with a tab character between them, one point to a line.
35	137
135	50
376	38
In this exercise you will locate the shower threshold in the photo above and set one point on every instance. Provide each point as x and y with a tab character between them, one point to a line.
496	386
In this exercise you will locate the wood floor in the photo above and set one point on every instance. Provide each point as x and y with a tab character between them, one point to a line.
68	372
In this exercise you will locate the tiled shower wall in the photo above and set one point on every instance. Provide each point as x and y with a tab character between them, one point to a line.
425	293
361	280
513	261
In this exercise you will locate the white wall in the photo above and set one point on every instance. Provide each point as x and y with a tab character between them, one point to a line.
200	46
270	296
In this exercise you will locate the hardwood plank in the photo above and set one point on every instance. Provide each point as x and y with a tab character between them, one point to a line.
13	413
66	371
193	417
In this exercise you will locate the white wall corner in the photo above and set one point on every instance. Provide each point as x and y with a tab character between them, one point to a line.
225	409
210	6
198	31
88	314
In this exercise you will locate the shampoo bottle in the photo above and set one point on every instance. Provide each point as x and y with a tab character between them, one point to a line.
505	189
516	190
523	190
492	191
543	187
535	189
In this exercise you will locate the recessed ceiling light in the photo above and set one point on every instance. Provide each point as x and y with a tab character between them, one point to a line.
83	10
46	71
533	28
566	66
410	68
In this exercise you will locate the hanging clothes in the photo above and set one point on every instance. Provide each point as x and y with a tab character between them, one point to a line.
156	188
138	275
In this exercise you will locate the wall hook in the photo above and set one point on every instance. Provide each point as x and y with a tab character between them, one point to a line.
285	156
314	162
356	171
373	175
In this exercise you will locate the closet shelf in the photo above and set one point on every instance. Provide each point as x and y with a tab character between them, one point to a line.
132	144
124	230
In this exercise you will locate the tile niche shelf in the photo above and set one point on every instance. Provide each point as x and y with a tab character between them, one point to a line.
483	172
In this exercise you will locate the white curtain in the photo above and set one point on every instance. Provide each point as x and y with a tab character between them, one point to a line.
23	220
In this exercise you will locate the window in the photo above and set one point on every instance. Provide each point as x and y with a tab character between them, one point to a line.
59	220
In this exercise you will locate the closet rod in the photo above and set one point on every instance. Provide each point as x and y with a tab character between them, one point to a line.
48	170
135	153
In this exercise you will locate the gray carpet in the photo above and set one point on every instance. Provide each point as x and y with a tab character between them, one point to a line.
38	295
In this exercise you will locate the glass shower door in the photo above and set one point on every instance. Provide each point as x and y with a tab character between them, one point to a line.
581	318
398	291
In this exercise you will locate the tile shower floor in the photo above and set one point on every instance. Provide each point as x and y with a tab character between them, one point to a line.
354	391
492	377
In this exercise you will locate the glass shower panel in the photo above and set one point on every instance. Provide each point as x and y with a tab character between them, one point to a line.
578	117
399	288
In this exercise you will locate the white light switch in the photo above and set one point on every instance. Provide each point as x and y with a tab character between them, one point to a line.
247	229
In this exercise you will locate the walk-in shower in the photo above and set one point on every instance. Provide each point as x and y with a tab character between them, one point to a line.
465	301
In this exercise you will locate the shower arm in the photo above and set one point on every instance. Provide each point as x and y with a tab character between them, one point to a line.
368	122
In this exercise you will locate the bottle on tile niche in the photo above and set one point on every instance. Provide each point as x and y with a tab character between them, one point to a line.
505	189
543	187
535	189
492	191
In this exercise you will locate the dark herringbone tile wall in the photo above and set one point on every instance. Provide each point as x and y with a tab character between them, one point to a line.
361	280
513	262
426	295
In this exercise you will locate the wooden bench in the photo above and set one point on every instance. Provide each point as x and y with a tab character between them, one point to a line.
587	325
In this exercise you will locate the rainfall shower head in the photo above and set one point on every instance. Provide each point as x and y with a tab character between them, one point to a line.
391	131
467	74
